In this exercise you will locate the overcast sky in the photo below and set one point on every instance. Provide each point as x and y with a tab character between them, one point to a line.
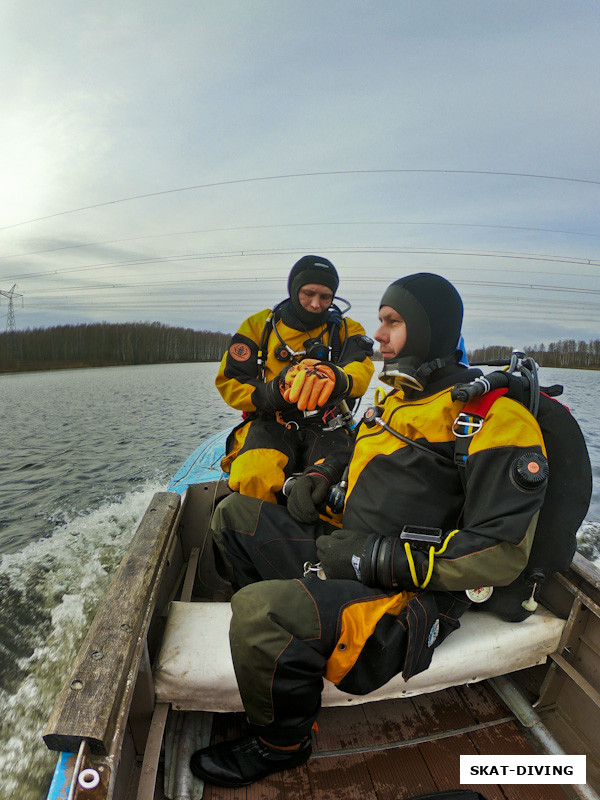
171	161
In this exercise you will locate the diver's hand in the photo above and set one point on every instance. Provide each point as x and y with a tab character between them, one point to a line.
306	494
340	552
312	384
270	396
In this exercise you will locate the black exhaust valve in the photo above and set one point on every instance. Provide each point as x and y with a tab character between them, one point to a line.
530	471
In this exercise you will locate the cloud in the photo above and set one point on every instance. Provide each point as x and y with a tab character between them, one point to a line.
373	133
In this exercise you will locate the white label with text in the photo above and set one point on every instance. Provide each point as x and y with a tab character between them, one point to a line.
522	769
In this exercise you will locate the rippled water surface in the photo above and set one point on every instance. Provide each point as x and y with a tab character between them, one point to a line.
82	453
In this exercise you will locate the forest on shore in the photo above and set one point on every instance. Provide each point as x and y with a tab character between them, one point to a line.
109	344
103	344
564	353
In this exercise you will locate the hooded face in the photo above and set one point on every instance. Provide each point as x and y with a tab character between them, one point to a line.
432	312
421	318
391	333
315	297
311	271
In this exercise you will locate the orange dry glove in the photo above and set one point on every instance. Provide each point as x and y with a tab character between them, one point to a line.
336	384
295	377
311	383
303	385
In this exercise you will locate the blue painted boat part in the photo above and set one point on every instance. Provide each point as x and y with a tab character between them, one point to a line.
204	464
63	777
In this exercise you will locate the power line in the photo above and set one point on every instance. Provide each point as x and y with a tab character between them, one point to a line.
254	279
480	304
502	304
296	175
369	249
476	301
235	229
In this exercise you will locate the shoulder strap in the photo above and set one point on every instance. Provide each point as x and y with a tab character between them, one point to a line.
468	422
261	358
480	406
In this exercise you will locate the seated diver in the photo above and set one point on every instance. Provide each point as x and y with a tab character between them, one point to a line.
415	540
306	331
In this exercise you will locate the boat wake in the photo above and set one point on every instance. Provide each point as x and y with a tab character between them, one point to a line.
48	596
588	541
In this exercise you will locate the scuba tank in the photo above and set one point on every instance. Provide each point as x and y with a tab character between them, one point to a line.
569	489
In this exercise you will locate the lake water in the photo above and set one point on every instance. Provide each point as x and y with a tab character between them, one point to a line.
82	453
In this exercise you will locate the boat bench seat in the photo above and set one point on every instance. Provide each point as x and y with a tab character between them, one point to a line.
194	670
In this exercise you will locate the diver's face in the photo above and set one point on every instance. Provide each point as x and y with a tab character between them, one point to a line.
391	333
315	297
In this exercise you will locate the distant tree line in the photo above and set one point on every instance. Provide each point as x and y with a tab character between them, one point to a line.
564	353
104	344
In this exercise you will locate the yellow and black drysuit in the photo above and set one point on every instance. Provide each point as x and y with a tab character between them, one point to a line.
274	442
290	630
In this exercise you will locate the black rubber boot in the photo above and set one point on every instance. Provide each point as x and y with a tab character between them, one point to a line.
244	761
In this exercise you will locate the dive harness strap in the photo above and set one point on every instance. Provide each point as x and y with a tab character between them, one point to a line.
469	422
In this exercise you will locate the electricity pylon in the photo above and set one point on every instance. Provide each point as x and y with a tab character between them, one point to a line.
10	320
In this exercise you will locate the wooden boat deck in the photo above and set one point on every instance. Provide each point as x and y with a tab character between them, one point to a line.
396	749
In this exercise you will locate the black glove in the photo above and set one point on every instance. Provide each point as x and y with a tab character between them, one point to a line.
306	494
343	382
268	396
339	553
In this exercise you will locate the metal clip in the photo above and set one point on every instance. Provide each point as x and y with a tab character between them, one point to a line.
334	423
287	485
312	413
317	568
470	424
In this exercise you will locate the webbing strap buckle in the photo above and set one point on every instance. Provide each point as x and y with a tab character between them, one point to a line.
466	425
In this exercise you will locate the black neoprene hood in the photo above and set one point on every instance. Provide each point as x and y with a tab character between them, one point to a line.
432	310
311	269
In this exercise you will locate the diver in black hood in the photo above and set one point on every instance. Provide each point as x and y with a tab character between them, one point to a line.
432	312
312	270
306	333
